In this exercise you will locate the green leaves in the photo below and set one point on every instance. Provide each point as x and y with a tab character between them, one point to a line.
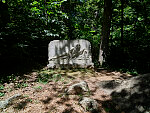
32	21
140	19
128	27
4	1
1	93
34	9
1	87
35	3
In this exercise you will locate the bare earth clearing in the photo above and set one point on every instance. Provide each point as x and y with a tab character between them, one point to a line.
39	95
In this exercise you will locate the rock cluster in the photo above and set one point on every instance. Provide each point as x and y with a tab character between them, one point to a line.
131	95
81	88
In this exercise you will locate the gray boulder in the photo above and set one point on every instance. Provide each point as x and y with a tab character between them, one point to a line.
131	95
89	104
4	103
78	88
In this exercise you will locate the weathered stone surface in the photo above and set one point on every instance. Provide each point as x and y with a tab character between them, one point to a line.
78	88
140	108
89	104
132	84
4	103
69	54
131	95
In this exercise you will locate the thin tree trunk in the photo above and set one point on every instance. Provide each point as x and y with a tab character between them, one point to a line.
68	8
107	15
4	15
46	16
122	7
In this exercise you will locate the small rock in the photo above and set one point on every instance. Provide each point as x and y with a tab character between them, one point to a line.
89	104
147	112
78	88
140	108
74	97
4	103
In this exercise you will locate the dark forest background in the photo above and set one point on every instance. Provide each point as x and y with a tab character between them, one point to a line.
27	27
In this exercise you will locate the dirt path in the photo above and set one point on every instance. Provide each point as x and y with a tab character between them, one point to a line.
47	96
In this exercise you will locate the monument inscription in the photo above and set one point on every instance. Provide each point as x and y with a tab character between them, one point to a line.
69	54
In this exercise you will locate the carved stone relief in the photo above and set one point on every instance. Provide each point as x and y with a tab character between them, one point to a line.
69	54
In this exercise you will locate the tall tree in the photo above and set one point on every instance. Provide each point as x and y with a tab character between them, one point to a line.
122	7
107	15
4	16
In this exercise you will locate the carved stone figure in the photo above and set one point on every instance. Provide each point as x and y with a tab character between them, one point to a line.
69	53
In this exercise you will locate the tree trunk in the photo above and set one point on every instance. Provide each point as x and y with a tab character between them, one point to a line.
107	15
46	16
68	7
4	15
122	7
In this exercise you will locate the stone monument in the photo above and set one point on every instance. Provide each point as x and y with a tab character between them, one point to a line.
69	54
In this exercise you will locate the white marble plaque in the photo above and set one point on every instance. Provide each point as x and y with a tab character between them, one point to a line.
69	54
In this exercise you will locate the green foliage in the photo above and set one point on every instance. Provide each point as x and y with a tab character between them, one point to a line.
134	72
107	109
21	85
1	93
26	27
44	77
87	23
3	1
1	87
26	32
132	55
8	78
38	87
56	77
49	75
26	96
29	100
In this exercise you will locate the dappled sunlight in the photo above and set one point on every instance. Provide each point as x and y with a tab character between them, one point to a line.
47	88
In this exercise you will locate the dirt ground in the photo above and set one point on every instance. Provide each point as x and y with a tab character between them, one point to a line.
49	97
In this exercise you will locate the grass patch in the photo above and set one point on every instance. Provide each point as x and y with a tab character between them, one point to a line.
38	87
2	94
21	85
133	72
44	76
1	88
26	96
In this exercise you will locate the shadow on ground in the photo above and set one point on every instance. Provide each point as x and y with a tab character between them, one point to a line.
17	66
132	96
